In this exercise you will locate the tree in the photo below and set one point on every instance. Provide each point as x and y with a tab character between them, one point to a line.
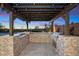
1	25
36	27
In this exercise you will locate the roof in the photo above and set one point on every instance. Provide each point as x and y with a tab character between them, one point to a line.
38	11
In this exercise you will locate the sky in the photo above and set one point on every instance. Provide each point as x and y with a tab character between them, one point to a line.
18	23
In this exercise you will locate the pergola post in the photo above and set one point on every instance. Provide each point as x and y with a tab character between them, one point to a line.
52	26
54	29
27	25
66	18
11	31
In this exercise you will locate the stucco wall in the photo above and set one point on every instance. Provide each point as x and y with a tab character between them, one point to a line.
76	29
62	28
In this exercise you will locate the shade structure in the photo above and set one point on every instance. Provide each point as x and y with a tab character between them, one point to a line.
38	11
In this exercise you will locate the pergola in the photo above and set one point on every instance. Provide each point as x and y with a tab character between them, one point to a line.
38	12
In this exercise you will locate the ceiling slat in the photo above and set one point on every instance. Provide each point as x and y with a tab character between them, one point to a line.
39	11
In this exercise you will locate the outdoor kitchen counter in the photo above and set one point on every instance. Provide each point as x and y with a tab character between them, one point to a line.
19	43
71	45
66	44
13	45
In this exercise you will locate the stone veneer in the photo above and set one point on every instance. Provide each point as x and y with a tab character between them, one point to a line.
66	45
12	45
39	37
6	46
71	45
19	43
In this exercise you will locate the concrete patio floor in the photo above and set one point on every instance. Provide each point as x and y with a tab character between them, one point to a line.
39	49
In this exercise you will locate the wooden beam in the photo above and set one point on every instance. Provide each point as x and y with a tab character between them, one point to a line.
27	25
41	16
42	4
66	18
66	9
35	6
7	7
28	10
52	26
39	19
38	8
11	31
38	12
1	4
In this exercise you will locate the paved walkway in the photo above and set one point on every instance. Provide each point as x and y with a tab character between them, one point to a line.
37	49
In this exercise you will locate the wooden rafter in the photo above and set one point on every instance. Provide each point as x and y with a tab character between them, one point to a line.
66	10
37	11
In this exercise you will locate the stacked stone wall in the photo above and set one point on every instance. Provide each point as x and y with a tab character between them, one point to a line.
66	45
13	45
39	37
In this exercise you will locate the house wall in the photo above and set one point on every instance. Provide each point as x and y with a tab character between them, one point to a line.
76	29
62	28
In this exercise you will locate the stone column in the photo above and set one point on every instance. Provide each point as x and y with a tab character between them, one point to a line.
66	18
11	30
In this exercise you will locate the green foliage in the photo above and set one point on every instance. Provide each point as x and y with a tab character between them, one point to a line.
1	25
36	27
